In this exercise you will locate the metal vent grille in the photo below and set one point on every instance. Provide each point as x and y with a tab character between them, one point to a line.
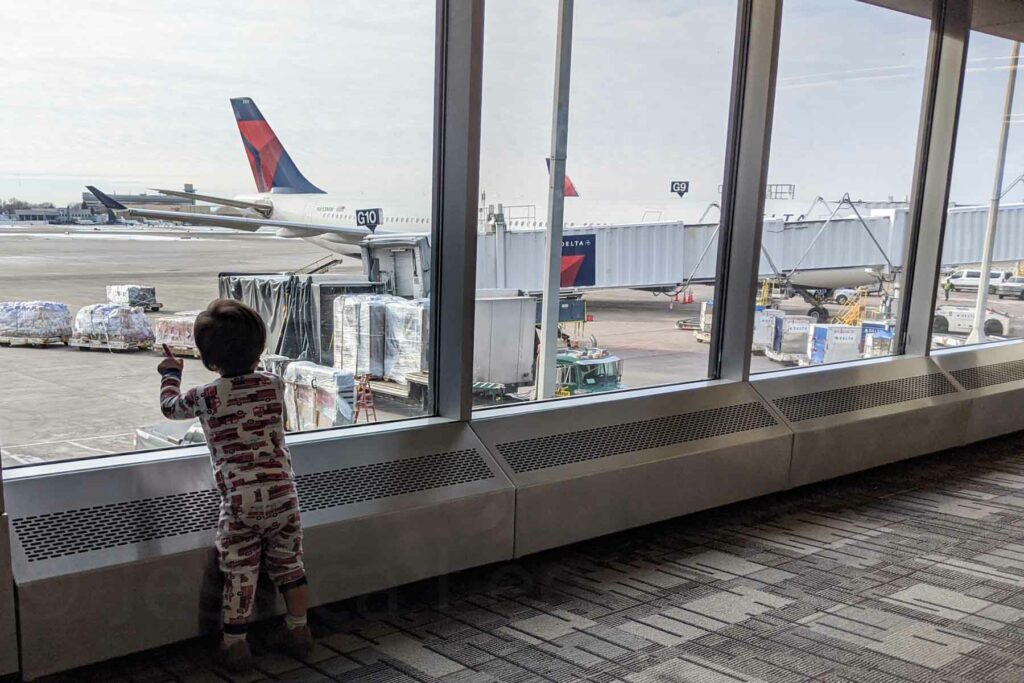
602	442
987	375
70	532
383	479
849	399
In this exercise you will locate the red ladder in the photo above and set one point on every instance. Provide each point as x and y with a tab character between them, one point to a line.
364	400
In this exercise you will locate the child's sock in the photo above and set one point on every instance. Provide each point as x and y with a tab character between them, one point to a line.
232	638
294	622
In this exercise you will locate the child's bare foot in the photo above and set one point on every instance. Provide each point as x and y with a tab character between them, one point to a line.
236	657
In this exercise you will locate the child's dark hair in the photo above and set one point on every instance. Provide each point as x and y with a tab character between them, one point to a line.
230	337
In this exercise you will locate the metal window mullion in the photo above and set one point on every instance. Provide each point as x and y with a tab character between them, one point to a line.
457	87
933	169
755	65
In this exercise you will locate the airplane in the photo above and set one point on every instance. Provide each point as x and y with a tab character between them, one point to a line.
285	200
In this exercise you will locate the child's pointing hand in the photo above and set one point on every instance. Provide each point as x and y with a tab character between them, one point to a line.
169	362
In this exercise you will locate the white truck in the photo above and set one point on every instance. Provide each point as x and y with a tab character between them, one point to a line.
960	320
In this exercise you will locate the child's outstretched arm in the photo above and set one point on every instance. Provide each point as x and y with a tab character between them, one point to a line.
174	404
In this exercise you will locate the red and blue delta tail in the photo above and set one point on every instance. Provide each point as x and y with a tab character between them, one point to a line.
272	168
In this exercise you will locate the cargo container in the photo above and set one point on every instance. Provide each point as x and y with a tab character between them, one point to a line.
764	327
791	334
298	309
833	343
504	340
869	326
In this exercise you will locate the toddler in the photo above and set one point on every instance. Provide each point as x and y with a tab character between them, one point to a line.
241	414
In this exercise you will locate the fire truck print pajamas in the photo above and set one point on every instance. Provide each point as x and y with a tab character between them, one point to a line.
259	512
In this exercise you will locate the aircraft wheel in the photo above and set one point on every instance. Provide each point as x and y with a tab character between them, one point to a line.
819	314
841	299
1001	296
993	327
940	324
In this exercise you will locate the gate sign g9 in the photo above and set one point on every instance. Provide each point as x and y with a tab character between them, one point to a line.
680	187
369	218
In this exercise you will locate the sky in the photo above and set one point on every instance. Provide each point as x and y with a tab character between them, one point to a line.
130	95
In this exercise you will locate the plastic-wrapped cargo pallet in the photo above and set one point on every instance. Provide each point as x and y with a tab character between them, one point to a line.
833	343
176	331
275	364
359	328
406	339
764	327
111	326
316	396
878	343
707	312
791	334
132	295
43	322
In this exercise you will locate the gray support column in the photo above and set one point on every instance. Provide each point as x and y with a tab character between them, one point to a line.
933	167
458	70
755	63
556	205
8	634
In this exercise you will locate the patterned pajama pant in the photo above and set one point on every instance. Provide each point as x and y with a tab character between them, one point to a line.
258	524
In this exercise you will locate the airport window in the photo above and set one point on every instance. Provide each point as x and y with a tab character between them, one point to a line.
121	270
844	137
978	169
647	121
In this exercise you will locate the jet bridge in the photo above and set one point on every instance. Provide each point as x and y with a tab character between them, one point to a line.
668	254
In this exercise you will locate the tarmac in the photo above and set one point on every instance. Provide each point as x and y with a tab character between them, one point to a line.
62	403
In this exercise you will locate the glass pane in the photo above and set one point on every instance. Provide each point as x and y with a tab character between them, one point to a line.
648	112
960	296
157	97
843	144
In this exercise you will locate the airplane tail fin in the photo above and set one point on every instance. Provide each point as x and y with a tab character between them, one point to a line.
272	167
109	203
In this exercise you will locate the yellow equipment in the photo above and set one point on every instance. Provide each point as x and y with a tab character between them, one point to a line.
852	313
765	297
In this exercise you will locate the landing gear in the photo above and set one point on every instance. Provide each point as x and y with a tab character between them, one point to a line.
820	314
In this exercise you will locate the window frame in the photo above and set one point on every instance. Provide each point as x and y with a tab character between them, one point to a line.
457	110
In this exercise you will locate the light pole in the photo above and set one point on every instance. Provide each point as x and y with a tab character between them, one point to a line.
978	331
546	379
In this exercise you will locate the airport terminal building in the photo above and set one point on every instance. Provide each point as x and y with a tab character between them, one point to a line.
743	443
144	199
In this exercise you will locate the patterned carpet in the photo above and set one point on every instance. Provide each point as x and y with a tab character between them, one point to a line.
913	572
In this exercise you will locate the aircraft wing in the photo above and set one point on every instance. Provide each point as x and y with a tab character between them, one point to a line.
285	228
223	201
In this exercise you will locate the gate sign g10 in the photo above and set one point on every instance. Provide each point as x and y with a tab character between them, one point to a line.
680	187
369	218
